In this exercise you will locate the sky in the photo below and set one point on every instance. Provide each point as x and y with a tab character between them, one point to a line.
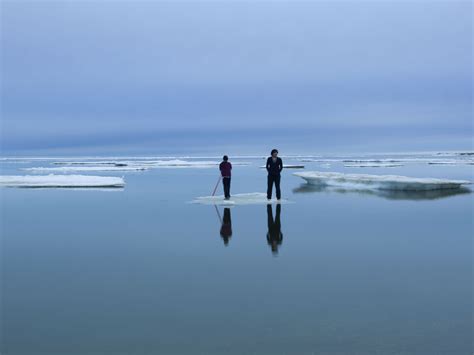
152	77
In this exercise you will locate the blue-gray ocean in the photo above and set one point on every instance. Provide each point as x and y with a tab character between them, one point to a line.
142	270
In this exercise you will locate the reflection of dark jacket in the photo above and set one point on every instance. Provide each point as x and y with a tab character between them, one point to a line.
274	167
274	235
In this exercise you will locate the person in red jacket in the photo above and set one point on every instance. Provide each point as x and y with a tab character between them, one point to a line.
225	167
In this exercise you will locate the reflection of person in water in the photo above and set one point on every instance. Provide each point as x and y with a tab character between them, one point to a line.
226	227
274	235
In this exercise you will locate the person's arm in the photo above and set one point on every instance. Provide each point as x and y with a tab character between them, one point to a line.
220	167
230	165
280	167
268	164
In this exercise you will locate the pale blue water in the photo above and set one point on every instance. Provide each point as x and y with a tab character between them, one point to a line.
142	271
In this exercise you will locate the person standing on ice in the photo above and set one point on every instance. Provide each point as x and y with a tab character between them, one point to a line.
225	167
274	167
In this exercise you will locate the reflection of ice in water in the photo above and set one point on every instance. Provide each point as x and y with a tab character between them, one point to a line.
387	194
252	198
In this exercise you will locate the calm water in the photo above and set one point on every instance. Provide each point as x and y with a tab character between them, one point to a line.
142	271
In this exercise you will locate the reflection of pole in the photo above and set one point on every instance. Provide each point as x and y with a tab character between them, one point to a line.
215	188
218	214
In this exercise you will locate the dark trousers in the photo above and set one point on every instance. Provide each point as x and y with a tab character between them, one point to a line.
273	179
226	183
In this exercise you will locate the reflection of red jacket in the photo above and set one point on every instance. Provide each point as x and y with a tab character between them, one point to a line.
225	167
226	228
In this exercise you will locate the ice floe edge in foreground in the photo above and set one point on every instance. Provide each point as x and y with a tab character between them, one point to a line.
382	182
252	198
86	181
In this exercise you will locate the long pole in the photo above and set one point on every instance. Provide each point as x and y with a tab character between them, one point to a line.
218	214
215	188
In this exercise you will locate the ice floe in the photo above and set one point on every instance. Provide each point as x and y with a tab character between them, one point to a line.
382	182
453	153
320	160
68	169
252	198
371	161
66	166
140	163
288	166
61	181
373	165
177	163
451	162
93	163
400	160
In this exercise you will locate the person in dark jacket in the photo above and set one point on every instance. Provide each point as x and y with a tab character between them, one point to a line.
274	167
225	167
274	235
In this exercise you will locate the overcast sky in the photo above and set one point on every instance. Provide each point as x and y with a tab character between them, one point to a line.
151	77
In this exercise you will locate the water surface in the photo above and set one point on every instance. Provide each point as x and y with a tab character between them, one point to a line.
143	271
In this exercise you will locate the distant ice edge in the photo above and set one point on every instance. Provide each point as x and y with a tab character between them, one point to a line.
381	182
61	181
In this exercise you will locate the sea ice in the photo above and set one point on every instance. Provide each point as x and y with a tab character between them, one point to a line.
131	165
252	198
140	163
382	182
373	165
177	163
371	161
288	166
429	160
318	160
451	162
61	181
67	169
93	163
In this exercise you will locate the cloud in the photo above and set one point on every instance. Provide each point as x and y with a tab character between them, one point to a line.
117	68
